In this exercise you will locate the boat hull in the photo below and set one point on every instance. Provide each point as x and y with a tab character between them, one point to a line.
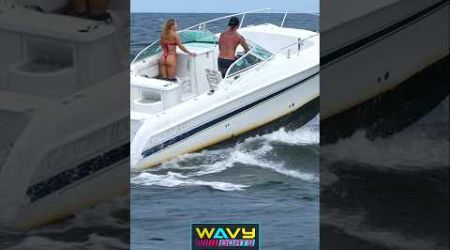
272	106
388	58
109	182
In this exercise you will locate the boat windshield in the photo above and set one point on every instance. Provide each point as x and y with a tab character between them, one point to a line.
197	36
255	56
187	36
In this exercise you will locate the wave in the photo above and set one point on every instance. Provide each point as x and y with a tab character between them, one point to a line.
402	151
177	180
107	214
94	242
229	157
252	152
355	225
420	146
424	145
308	134
256	158
84	230
305	136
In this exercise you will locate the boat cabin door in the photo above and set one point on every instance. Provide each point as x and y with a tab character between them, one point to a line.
194	68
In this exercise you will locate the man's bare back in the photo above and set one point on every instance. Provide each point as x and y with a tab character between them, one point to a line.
228	42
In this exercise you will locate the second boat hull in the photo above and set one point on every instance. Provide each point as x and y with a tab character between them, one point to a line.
383	59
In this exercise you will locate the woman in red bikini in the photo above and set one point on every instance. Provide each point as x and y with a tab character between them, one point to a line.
169	42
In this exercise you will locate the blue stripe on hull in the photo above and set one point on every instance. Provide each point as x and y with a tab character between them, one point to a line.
185	135
80	171
332	57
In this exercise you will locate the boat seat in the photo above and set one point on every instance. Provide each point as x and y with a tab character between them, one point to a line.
214	78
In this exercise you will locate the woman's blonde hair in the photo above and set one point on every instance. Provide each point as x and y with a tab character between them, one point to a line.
166	29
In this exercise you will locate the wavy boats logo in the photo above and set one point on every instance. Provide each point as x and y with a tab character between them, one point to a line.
225	236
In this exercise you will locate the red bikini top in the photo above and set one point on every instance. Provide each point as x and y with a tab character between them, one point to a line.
174	43
166	45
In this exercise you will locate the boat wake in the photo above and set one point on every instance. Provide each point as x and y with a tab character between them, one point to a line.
253	152
308	135
95	241
356	225
392	179
422	146
110	214
178	180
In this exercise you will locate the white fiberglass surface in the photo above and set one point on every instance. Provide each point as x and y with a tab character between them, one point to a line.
12	125
339	12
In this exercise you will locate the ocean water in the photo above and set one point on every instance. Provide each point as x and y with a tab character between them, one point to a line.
105	226
384	180
270	178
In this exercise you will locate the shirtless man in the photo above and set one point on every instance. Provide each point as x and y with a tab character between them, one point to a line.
228	42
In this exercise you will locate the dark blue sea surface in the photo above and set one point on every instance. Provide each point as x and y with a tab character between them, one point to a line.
268	178
384	169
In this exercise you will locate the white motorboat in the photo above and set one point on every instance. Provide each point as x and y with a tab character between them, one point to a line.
60	139
277	76
382	43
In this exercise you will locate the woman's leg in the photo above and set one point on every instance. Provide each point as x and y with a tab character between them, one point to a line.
162	68
80	6
171	66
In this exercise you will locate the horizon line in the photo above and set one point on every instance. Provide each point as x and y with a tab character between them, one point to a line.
211	12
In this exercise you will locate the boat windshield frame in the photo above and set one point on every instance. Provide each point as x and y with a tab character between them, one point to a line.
244	62
202	25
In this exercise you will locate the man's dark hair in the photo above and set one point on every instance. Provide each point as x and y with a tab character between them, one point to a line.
234	21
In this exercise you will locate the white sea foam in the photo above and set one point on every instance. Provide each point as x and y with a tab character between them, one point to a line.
415	148
307	134
256	158
176	180
402	151
304	136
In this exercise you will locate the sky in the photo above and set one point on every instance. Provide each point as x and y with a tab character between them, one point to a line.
223	6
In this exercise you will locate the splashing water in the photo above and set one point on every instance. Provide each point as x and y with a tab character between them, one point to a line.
426	142
252	152
176	180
